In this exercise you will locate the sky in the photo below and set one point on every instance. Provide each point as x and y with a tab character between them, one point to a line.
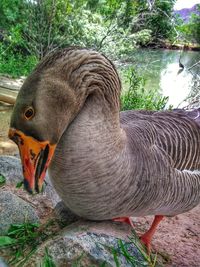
185	4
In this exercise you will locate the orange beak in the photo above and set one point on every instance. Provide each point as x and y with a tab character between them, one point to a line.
35	156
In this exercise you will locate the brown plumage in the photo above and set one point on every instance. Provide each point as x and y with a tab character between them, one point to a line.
108	164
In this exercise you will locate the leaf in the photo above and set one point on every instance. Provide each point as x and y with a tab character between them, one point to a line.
19	184
5	241
2	180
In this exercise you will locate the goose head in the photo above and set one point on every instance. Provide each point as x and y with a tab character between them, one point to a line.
44	107
47	103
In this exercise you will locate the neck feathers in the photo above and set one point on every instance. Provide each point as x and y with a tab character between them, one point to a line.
87	72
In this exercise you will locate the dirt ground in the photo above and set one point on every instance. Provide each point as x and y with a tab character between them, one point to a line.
177	238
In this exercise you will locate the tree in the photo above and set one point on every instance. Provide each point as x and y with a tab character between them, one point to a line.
156	16
194	26
34	28
190	31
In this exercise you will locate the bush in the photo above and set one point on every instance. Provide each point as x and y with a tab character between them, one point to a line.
136	97
143	37
15	64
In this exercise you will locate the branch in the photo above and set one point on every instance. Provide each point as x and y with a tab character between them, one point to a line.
195	64
110	29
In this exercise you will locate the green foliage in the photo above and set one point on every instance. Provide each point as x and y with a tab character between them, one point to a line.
23	240
15	64
19	184
18	237
125	248
31	29
136	97
190	31
47	260
2	180
157	17
6	241
10	12
143	37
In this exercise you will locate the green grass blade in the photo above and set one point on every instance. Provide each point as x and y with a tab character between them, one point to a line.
103	264
5	241
2	180
114	252
47	260
19	184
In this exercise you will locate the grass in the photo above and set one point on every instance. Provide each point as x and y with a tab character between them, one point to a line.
18	238
124	249
47	260
23	240
2	180
136	96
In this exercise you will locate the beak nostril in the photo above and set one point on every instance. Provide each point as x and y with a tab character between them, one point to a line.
32	154
15	137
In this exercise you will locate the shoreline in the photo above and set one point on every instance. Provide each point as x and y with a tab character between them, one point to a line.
183	47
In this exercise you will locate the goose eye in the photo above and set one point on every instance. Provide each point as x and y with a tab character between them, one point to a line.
29	113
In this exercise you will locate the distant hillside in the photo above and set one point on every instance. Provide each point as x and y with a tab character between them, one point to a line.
185	13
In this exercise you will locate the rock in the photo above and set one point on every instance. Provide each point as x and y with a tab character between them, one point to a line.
88	244
14	210
10	168
50	192
64	214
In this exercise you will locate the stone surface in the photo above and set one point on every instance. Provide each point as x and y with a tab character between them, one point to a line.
50	192
64	214
10	168
14	210
88	244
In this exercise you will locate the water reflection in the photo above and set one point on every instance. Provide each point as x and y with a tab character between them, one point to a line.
176	85
161	69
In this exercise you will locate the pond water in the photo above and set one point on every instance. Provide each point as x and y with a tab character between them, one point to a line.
161	71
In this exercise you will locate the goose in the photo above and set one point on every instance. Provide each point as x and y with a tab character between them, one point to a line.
104	164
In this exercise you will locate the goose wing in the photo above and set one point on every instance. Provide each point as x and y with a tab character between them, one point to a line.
175	132
167	145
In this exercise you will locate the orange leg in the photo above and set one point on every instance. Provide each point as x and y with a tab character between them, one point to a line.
125	220
147	237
